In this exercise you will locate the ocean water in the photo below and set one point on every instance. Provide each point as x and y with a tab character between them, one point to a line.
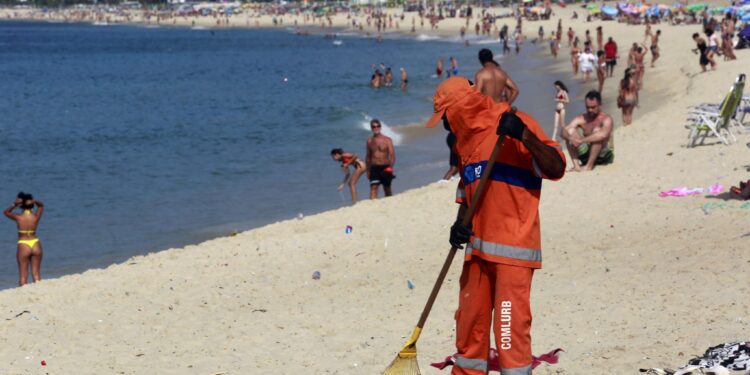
141	139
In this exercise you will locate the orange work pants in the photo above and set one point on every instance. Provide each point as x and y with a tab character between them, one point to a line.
500	291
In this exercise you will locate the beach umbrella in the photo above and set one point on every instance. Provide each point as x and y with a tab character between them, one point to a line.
610	11
696	7
746	18
593	8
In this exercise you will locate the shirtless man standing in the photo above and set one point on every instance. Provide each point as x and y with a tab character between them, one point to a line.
380	160
597	131
492	81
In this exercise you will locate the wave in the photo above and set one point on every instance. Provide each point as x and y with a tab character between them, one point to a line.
385	129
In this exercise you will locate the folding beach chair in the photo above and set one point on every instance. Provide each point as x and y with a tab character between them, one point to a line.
738	117
712	122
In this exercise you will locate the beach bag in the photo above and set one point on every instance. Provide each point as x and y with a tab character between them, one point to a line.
620	100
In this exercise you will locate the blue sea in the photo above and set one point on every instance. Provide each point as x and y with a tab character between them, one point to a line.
141	139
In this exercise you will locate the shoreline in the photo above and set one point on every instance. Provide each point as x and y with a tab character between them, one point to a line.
413	132
630	280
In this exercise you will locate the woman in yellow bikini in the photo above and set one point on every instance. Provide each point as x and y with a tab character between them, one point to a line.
29	252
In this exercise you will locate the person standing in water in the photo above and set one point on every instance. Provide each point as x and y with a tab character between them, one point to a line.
29	251
348	159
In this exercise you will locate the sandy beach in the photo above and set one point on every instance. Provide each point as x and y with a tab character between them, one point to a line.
630	280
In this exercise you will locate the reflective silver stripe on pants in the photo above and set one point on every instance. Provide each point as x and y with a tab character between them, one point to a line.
520	253
470	363
516	371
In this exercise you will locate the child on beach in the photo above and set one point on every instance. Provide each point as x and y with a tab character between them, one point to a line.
348	159
29	251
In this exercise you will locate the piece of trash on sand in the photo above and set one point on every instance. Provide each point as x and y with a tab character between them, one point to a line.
316	275
348	229
410	284
44	363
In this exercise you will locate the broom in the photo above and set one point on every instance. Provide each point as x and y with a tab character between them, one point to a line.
405	362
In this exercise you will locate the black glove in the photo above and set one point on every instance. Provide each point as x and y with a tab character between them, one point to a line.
460	234
511	125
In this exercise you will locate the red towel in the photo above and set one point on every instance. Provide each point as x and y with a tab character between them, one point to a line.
494	362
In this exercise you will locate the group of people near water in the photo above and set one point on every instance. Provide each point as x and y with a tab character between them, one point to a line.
380	159
383	76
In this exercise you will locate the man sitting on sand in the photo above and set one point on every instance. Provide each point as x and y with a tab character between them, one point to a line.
492	80
596	127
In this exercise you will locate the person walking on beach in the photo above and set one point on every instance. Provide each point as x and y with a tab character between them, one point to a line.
492	80
601	70
575	53
702	50
627	97
587	62
347	160
655	47
599	38
381	157
571	34
503	240
29	249
610	55
561	98
553	45
590	145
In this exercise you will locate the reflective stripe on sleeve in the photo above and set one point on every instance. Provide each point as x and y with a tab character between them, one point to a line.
526	370
520	253
537	171
460	193
471	363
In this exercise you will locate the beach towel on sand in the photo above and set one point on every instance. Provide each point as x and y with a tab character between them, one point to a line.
494	361
732	358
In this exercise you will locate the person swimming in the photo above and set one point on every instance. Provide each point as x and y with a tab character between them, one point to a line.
29	251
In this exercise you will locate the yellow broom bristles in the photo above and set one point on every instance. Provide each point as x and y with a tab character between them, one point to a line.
403	365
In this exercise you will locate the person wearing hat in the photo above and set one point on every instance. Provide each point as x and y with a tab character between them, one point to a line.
503	241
